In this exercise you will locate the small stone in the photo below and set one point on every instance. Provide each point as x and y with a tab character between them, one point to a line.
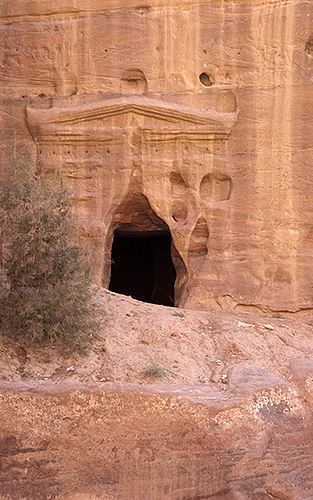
224	379
240	323
70	369
218	362
268	327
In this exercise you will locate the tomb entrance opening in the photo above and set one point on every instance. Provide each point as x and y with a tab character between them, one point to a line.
142	267
141	255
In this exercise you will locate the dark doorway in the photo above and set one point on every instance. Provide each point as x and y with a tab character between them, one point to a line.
142	267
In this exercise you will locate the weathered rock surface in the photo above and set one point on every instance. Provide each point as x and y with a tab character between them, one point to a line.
167	442
230	417
197	114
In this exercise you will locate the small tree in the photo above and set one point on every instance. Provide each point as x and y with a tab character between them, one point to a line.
45	279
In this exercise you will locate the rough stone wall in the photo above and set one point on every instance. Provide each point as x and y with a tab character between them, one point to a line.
200	110
85	443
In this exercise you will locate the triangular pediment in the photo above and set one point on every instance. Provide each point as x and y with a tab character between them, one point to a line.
131	111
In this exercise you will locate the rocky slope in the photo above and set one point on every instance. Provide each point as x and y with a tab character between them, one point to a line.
168	404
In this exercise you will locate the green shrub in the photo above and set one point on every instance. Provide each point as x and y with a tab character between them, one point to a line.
154	370
45	286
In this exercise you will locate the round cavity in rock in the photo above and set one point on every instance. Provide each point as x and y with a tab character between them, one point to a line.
179	211
206	80
215	187
178	183
134	80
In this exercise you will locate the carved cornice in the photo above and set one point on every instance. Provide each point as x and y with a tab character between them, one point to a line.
154	119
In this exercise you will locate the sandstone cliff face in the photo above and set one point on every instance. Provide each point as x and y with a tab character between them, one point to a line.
189	117
193	119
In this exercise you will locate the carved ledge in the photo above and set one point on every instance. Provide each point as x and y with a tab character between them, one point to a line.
113	119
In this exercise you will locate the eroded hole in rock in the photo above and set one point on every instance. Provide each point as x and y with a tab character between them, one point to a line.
142	9
206	80
199	238
179	211
215	187
309	46
134	81
142	267
179	185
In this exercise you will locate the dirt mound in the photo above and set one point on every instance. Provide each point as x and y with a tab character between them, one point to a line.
146	343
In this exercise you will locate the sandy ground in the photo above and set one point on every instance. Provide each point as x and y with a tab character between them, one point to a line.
145	343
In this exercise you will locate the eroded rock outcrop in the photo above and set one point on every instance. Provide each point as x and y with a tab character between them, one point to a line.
171	442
